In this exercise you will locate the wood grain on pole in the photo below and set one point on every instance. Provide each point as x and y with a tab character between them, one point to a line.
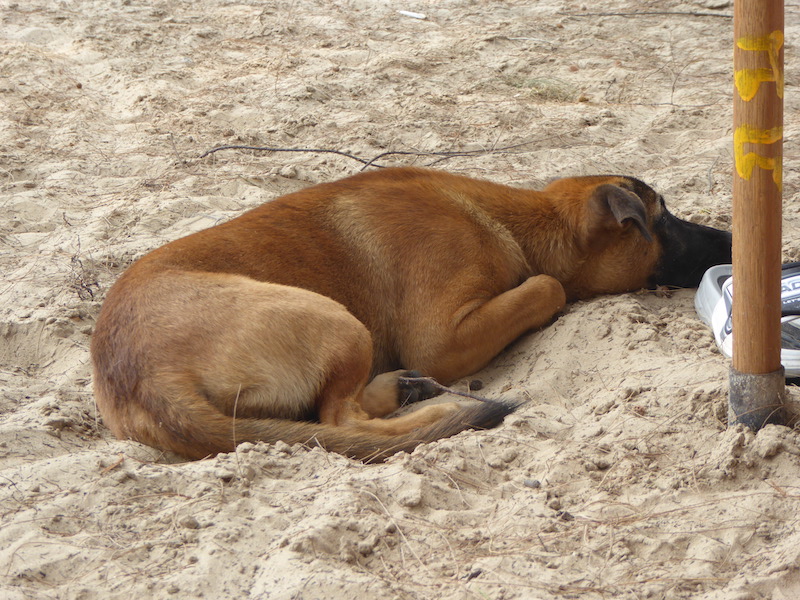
757	178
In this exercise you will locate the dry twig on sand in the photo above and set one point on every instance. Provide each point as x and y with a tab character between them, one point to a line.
372	162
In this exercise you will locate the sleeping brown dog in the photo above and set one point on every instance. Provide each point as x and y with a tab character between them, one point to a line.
297	320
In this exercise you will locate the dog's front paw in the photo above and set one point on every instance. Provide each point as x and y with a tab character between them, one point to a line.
413	386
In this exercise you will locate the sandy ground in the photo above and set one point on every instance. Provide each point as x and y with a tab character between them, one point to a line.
618	480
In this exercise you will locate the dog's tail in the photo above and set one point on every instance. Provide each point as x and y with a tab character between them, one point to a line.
200	435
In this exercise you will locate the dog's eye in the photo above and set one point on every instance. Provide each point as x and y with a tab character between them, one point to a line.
662	217
663	205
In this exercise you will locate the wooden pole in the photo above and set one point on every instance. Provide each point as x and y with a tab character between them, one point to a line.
757	379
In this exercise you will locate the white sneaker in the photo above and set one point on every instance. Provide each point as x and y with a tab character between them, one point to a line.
713	303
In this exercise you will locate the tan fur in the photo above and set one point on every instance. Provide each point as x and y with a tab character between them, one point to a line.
244	331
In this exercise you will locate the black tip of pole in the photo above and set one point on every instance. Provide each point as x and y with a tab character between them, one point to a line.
756	400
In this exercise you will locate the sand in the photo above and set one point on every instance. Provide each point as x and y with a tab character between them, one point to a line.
619	479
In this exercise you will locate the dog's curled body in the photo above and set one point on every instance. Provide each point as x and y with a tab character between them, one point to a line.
270	326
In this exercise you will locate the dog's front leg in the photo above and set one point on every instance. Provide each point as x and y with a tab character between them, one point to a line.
476	331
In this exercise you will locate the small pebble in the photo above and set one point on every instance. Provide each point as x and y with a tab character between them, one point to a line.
189	522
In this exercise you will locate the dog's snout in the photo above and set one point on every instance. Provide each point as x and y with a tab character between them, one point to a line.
689	249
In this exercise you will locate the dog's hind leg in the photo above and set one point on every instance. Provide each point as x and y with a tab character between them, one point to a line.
198	362
389	391
346	401
275	351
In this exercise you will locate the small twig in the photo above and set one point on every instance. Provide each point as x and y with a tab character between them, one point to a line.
236	453
778	489
448	154
647	13
372	162
175	150
113	465
442	155
267	149
541	541
440	387
710	175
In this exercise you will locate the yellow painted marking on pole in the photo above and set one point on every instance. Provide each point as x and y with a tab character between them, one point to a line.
745	163
749	80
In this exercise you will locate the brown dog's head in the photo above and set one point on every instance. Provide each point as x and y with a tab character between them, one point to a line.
688	249
631	240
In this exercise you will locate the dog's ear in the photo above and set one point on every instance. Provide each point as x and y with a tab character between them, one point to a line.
610	206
